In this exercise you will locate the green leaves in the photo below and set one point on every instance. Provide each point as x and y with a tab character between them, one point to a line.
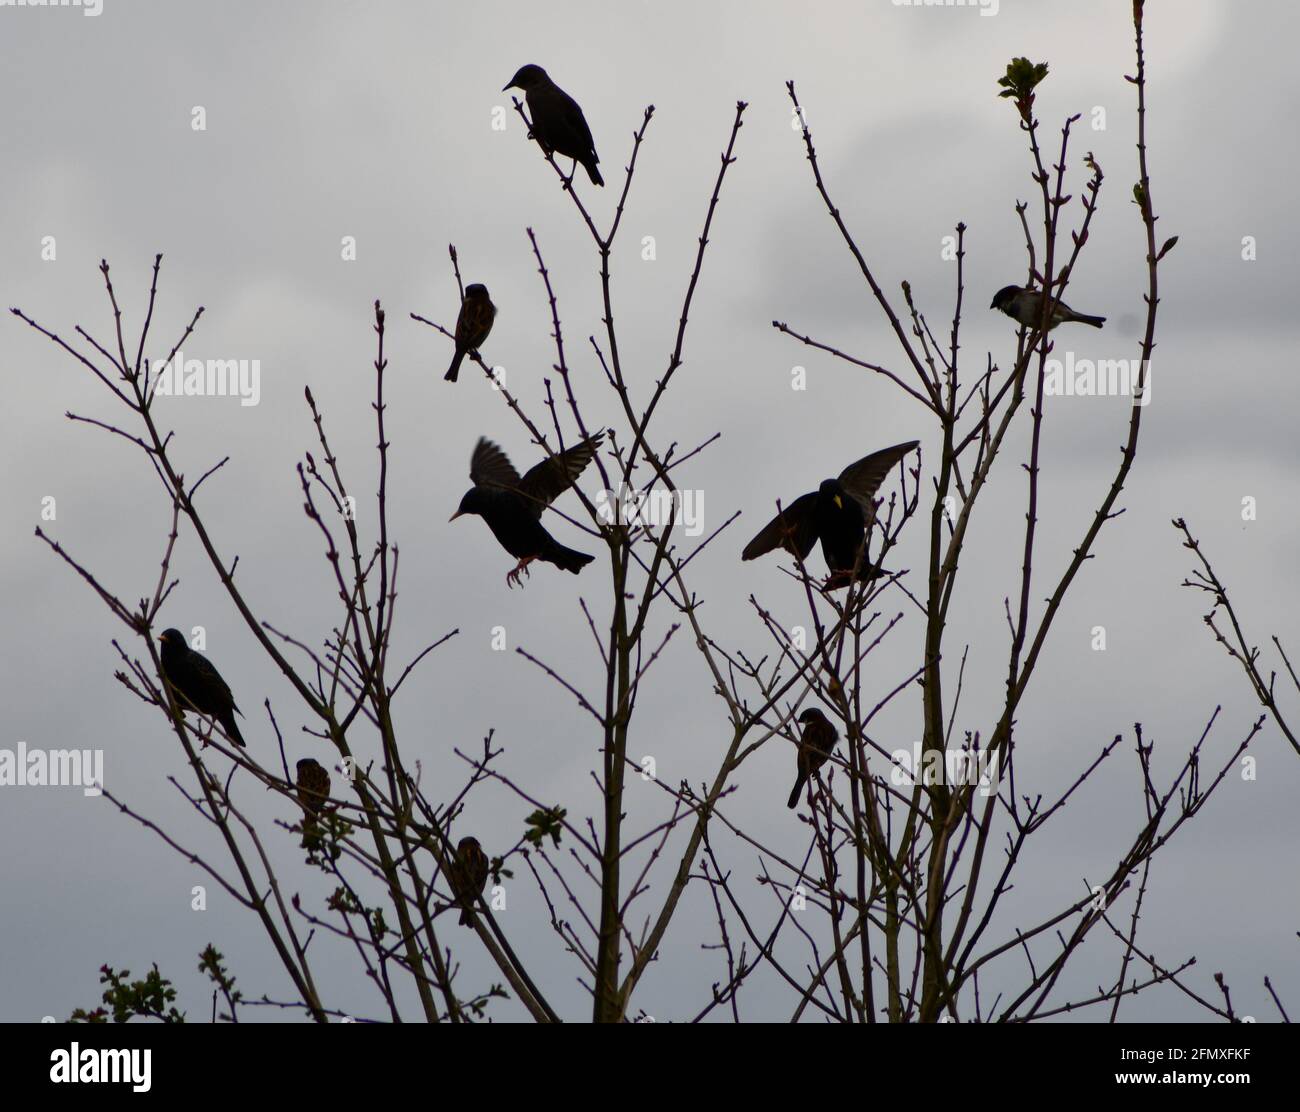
150	997
1021	77
1020	80
545	824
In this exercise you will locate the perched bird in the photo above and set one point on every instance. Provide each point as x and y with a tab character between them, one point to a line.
1024	304
837	513
815	745
472	326
558	123
467	875
513	507
197	685
313	790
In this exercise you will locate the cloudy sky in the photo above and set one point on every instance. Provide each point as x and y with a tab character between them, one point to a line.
331	119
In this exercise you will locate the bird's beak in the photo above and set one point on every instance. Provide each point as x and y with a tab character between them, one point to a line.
506	88
839	504
160	637
453	517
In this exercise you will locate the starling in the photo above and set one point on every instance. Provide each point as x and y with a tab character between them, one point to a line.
1024	304
558	123
196	684
819	738
313	790
513	507
472	326
467	875
838	514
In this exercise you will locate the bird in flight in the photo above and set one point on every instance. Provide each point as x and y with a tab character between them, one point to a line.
513	507
837	513
558	123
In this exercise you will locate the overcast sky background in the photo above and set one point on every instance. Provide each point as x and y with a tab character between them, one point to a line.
332	119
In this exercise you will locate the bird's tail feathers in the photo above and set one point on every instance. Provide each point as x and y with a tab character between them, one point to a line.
453	371
1084	318
593	173
232	731
793	801
568	558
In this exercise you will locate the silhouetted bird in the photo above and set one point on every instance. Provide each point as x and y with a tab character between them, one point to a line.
815	745
558	123
1024	304
472	326
313	790
837	513
467	874
512	506
198	686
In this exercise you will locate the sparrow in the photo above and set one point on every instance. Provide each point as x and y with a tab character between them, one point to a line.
467	875
472	326
1024	304
196	684
837	513
513	507
313	790
558	123
819	738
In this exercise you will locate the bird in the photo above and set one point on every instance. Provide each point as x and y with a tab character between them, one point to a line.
558	123
837	513
815	745
1024	304
513	507
472	326
197	684
467	875
313	791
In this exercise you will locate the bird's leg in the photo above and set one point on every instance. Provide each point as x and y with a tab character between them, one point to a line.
512	578
836	580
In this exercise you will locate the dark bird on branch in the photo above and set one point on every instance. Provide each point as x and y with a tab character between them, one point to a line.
1024	304
472	326
196	684
467	875
313	790
513	507
558	123
815	745
837	513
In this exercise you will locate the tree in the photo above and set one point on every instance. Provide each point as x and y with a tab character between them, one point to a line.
902	861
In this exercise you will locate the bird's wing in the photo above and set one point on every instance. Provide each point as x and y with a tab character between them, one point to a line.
552	477
794	529
573	121
490	466
210	678
863	479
